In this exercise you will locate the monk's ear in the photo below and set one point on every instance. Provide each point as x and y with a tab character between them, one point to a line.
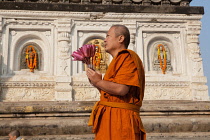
121	38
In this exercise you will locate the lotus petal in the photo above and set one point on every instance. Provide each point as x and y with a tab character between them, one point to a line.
78	56
92	50
85	50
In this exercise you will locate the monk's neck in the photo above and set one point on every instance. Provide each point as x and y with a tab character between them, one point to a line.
114	53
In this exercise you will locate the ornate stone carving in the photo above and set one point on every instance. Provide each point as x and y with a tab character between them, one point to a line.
167	93
64	44
87	94
199	92
27	94
63	89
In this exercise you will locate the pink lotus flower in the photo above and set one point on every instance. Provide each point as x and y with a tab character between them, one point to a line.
84	53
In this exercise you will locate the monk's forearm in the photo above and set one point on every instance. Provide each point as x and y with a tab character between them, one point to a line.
112	88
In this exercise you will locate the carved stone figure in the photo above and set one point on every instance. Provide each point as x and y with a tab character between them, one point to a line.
31	58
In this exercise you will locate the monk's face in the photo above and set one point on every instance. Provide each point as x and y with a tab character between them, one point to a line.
111	41
12	137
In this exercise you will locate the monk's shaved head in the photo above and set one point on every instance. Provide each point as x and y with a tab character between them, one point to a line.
122	30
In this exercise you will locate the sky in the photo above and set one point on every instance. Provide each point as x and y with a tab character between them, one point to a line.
205	37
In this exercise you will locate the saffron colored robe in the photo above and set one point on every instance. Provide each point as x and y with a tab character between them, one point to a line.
112	123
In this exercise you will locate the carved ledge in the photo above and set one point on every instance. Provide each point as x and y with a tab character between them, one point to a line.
119	2
28	84
164	6
168	84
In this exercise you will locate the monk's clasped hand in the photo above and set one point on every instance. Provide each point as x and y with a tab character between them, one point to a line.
94	76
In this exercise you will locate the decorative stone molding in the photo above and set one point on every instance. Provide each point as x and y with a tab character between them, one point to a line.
81	84
193	31
27	84
161	25
168	84
27	22
86	15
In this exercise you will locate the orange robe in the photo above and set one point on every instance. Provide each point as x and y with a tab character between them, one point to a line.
114	123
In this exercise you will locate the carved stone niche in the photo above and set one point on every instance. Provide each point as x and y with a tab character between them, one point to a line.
156	55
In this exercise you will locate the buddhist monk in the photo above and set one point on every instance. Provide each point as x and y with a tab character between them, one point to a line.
116	115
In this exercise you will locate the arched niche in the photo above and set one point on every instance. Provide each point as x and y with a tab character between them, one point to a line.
152	55
41	44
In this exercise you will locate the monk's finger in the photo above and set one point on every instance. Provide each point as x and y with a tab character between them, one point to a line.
90	71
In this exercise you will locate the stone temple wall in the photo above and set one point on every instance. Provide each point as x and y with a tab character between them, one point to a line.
57	34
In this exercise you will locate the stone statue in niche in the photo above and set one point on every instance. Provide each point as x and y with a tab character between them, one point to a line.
100	60
97	57
162	59
30	58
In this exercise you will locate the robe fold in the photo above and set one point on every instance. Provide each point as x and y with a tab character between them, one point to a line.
117	117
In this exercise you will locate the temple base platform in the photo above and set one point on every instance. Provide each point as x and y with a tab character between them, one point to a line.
163	120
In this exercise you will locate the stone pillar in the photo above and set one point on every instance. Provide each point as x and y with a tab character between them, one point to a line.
132	28
0	51
195	63
63	89
0	45
194	49
132	42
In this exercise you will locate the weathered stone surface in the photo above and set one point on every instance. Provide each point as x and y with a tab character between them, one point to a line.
150	136
100	8
65	118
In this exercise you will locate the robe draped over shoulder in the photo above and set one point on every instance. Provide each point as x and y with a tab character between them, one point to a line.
115	123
